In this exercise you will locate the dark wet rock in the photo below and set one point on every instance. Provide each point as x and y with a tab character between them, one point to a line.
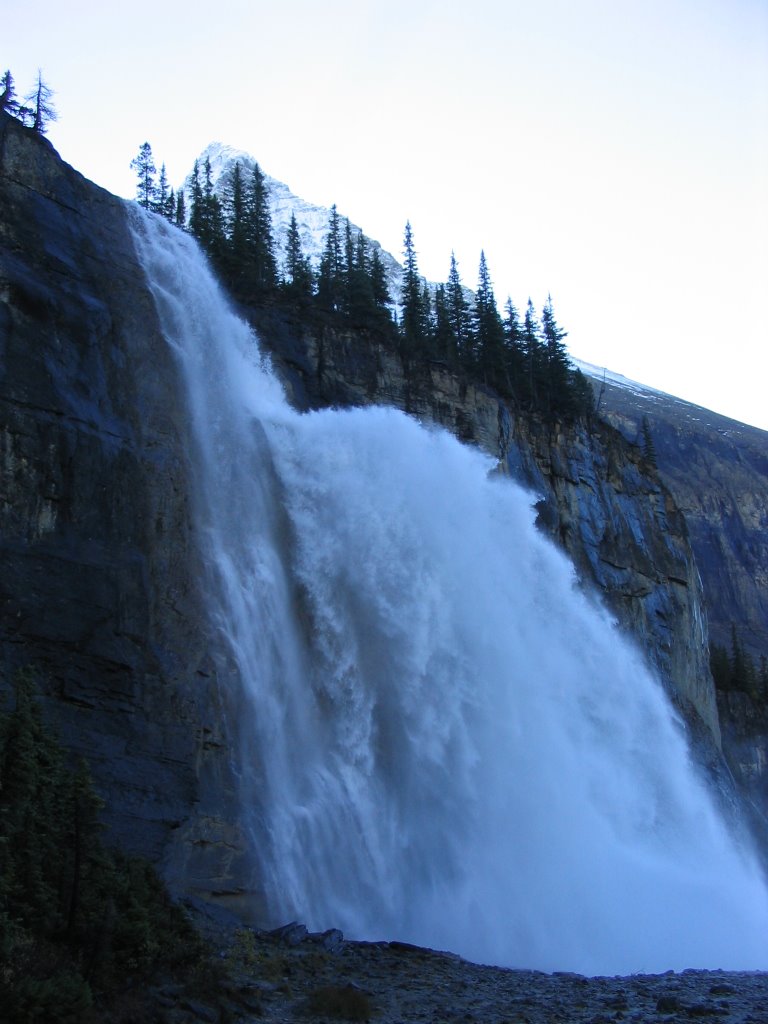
331	940
98	588
291	934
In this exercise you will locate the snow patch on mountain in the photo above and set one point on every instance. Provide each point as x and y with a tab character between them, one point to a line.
600	373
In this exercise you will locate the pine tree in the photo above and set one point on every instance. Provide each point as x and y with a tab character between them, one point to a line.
331	281
170	207
82	841
557	365
382	300
212	239
488	330
649	448
414	323
160	199
444	341
180	214
260	277
8	102
298	274
196	215
144	165
361	302
72	914
720	667
459	316
39	105
234	214
582	395
533	359
739	670
514	352
31	784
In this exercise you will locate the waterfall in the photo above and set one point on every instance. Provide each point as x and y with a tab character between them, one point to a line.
443	740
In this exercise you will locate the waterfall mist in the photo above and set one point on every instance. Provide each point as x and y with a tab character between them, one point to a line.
445	742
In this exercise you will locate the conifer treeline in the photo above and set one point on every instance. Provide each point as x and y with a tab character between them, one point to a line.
735	669
523	358
78	921
36	111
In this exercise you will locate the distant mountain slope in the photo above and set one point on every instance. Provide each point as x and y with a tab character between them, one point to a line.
717	470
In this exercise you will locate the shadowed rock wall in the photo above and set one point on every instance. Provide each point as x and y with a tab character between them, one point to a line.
99	588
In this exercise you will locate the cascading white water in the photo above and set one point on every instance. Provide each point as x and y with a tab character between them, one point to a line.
448	744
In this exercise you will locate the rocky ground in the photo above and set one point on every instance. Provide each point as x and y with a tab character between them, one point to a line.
292	976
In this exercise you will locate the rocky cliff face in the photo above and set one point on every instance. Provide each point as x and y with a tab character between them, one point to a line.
596	498
97	588
717	471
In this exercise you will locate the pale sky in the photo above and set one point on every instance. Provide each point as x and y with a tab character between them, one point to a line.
613	153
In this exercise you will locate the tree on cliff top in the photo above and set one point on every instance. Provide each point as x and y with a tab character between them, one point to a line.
8	101
144	165
39	108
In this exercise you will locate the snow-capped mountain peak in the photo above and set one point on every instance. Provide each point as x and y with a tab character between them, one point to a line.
311	218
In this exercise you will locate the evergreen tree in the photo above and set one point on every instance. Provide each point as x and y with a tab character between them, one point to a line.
234	213
261	272
31	784
160	200
557	366
514	352
382	300
488	330
8	102
180	214
144	165
740	675
39	106
170	207
444	340
414	323
459	317
206	220
582	396
196	215
428	314
331	281
736	669
720	667
533	359
74	918
649	448
298	278
212	238
361	303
